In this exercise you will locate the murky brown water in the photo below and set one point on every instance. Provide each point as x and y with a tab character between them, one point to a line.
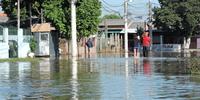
102	77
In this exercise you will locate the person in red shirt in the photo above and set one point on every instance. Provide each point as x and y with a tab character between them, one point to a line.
146	44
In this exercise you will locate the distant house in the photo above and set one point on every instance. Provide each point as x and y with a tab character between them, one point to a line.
117	26
112	32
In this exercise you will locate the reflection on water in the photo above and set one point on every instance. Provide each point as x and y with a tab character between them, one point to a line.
74	80
99	78
147	67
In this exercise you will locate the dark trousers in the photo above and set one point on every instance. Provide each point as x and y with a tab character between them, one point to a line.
145	51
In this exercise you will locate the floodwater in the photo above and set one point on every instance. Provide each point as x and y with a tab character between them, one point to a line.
100	77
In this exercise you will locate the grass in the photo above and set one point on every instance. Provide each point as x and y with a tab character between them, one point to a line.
20	60
194	65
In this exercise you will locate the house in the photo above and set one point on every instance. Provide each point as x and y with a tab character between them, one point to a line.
111	34
47	40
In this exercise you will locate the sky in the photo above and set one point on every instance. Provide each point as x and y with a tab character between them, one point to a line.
137	9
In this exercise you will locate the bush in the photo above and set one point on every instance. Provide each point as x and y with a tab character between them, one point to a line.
194	65
33	44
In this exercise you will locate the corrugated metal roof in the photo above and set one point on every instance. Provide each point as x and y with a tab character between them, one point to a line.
43	27
112	22
120	22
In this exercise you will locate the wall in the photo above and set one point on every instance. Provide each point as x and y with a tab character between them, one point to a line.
23	47
65	47
4	47
4	50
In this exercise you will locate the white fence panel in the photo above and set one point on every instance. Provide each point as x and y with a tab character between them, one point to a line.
4	53
167	47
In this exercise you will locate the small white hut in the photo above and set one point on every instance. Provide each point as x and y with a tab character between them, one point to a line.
41	34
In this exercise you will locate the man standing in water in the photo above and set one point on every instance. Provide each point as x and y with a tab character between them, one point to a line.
89	45
146	44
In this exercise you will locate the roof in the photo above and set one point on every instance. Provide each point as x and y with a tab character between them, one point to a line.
120	22
3	17
43	27
112	22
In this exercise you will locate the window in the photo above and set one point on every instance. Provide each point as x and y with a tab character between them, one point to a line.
44	37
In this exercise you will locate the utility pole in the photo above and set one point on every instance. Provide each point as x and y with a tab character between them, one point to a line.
30	14
106	34
73	28
126	28
42	16
18	15
150	24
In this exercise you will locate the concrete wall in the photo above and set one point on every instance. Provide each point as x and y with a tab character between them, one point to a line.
65	47
23	47
167	47
4	50
4	44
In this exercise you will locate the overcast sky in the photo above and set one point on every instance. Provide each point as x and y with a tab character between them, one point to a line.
136	8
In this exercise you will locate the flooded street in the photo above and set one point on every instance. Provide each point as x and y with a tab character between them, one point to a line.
100	77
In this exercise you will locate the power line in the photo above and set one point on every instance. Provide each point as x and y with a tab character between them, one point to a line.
135	6
121	5
111	11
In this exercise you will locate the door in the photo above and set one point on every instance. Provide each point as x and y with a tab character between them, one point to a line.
44	44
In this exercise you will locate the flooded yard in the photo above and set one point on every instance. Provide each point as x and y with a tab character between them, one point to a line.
100	77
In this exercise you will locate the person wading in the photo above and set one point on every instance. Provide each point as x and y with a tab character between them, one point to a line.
89	45
146	44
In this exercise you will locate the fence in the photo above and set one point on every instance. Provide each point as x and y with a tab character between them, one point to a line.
111	44
167	47
14	43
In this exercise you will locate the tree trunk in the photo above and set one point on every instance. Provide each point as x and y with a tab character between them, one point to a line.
186	44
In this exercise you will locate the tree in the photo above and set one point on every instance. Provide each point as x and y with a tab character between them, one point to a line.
58	13
140	31
180	16
111	16
88	12
28	8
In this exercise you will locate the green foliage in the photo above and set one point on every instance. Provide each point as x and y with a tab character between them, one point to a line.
20	60
33	44
180	17
58	12
194	65
140	31
88	17
10	8
111	16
